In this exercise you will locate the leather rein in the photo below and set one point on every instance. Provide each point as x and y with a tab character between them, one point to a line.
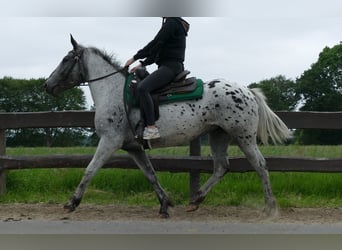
122	70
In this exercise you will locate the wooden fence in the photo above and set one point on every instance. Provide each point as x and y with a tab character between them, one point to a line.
193	164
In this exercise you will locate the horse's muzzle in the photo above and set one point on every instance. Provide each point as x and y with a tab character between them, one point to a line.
49	89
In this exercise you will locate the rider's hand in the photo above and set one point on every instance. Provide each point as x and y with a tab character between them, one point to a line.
129	62
135	68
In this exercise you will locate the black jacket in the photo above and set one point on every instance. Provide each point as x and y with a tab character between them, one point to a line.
168	45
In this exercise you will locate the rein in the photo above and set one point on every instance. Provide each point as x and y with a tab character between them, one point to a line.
108	75
122	70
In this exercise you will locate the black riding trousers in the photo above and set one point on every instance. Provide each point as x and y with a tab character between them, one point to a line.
164	75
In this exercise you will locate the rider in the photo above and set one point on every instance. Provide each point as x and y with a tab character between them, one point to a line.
167	50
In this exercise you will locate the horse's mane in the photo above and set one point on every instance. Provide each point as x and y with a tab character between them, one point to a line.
110	58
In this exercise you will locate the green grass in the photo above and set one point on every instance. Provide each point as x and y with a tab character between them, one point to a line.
129	187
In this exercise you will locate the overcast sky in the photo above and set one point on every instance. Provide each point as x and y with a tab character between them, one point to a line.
251	42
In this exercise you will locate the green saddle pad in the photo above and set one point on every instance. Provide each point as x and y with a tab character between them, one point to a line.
173	97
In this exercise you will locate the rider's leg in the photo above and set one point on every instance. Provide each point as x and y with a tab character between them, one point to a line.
158	79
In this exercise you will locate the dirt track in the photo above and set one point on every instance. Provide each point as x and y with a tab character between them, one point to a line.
55	212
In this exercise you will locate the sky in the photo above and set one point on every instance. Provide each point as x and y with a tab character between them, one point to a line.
241	41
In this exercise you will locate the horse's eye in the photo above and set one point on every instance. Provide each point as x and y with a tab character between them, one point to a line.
65	59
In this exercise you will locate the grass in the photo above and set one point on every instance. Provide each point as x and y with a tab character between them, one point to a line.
129	187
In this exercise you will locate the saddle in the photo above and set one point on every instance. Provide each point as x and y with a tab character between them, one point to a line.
180	89
179	85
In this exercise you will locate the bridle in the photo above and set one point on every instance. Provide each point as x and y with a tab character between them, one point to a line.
77	60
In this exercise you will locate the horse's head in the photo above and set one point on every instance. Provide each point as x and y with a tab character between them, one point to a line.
69	73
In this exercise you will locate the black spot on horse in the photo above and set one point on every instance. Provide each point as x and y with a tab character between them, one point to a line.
212	84
236	99
121	116
110	120
239	107
217	105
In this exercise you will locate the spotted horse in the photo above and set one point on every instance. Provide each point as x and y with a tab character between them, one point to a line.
226	112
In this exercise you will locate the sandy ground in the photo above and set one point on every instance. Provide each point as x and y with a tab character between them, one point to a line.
55	212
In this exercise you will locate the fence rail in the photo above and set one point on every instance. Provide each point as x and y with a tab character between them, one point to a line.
173	163
319	120
193	164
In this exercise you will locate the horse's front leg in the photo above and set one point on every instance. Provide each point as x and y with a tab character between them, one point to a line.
145	165
103	152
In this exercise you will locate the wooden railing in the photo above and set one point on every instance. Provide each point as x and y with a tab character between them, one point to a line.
193	164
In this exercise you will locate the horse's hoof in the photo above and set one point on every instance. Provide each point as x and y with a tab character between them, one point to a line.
164	205
192	208
69	208
271	213
164	215
72	204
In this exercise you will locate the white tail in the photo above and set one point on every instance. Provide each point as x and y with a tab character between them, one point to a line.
270	125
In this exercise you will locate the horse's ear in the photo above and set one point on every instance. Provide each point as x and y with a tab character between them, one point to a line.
73	42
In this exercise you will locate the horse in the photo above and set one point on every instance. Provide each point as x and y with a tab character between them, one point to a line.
226	112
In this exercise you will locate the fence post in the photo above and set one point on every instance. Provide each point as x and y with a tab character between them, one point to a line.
2	152
195	177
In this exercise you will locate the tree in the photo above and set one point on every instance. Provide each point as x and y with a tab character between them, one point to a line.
321	85
19	95
321	90
280	92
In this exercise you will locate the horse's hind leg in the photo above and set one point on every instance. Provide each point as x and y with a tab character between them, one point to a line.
145	165
258	162
219	141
